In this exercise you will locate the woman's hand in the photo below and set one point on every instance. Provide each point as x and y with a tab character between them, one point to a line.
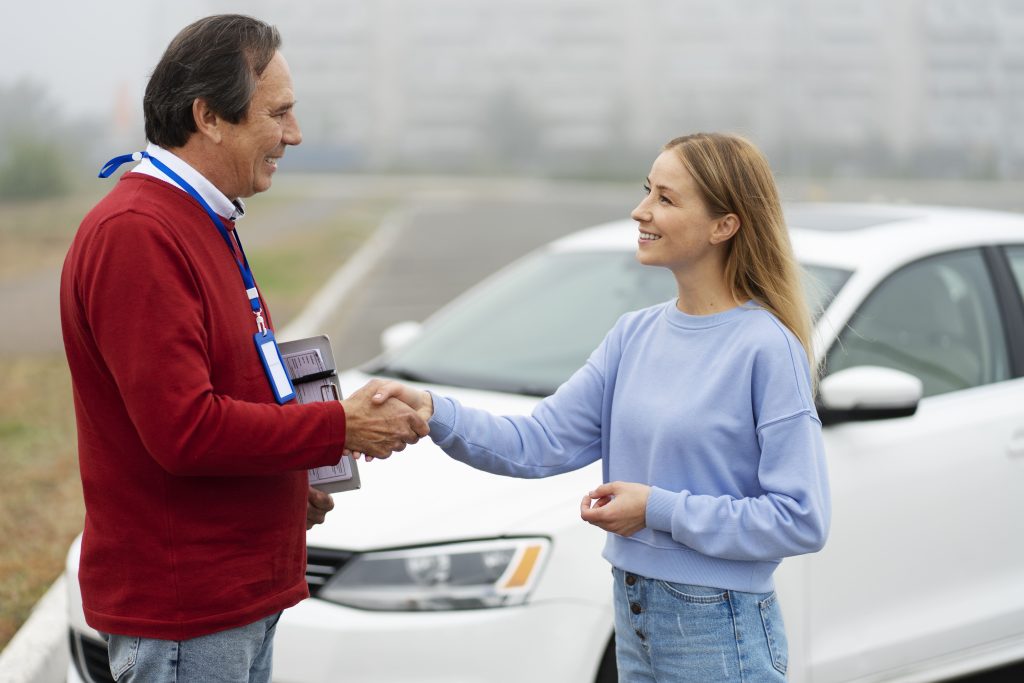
420	401
619	507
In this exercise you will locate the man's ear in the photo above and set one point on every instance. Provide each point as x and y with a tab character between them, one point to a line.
726	226
207	122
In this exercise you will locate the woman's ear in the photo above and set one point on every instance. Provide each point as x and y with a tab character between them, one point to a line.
726	226
207	122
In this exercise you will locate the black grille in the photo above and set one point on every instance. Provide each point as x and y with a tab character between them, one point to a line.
321	565
90	658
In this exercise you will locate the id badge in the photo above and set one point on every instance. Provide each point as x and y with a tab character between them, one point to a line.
274	366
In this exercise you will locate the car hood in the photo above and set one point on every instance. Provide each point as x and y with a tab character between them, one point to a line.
421	496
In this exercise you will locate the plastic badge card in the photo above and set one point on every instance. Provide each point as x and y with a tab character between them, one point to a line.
310	365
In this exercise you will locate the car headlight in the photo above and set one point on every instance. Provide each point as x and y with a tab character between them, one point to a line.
471	575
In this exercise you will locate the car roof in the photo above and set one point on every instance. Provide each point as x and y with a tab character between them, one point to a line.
848	236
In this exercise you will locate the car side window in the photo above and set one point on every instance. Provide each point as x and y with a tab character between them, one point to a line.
1016	256
936	319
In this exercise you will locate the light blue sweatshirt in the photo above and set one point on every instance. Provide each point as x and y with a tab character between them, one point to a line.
714	412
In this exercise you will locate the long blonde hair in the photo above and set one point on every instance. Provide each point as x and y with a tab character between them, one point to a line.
734	177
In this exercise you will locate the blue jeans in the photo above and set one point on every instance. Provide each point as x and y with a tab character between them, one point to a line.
238	655
677	632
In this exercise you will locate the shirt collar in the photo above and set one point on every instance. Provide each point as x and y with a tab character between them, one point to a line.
217	200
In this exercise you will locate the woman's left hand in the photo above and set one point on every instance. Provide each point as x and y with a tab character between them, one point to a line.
619	507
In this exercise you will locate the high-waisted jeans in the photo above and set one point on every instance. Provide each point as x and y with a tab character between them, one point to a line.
672	632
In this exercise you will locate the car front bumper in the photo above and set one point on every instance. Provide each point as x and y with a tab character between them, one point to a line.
320	642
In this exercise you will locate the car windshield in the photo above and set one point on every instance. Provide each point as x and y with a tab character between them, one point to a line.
530	327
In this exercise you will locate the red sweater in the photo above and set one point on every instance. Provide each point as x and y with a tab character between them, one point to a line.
194	477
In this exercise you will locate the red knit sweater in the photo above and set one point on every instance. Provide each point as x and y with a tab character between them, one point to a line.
194	478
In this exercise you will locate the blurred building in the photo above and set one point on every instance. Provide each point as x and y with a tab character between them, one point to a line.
914	87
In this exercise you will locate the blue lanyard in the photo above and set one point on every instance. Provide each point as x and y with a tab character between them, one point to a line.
243	265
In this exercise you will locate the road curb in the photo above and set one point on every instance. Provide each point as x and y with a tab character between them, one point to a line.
36	653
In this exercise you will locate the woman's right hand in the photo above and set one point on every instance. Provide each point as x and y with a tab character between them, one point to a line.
420	401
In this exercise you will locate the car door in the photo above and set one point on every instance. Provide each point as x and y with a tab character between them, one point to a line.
924	563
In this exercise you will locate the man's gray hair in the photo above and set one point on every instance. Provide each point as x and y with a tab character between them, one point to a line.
219	60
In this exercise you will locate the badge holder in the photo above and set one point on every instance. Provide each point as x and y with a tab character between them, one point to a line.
273	364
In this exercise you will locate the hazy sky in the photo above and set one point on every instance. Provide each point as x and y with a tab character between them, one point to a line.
87	51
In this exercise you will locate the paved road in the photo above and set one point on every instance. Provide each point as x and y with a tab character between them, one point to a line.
445	246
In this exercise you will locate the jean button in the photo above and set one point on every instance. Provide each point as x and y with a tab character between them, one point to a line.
630	579
635	608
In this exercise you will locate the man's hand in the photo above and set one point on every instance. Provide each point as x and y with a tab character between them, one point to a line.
318	504
619	507
377	428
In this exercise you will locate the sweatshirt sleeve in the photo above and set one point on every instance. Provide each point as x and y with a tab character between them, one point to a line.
790	514
790	518
562	434
142	299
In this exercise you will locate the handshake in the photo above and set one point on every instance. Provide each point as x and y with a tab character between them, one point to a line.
383	417
380	419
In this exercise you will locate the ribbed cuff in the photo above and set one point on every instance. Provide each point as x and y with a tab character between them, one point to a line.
660	505
442	421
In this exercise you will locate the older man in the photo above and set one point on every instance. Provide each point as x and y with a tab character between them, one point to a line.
193	456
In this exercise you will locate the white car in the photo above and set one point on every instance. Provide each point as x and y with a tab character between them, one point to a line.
435	572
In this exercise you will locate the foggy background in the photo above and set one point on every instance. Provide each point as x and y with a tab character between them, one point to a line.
575	88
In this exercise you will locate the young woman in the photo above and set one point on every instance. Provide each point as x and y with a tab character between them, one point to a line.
702	412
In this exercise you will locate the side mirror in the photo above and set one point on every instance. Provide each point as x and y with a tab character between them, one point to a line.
399	334
868	392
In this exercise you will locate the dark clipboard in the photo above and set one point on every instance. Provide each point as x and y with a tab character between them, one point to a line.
311	367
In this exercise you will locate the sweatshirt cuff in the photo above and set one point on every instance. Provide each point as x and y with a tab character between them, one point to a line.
660	505
442	422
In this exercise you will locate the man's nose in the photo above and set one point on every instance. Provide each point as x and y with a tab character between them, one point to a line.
292	132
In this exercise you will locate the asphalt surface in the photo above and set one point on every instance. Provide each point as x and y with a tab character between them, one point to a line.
443	248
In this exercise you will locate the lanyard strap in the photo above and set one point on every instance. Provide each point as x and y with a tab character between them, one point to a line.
251	292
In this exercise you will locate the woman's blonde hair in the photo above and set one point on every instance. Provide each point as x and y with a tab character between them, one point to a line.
734	177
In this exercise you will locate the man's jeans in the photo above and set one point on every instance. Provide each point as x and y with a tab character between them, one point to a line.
239	655
673	632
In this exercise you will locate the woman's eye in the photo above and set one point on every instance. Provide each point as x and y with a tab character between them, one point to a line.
647	188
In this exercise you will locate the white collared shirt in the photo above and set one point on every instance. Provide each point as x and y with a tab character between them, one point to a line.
217	200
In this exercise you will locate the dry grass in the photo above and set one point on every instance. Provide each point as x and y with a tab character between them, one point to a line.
37	233
40	495
41	507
